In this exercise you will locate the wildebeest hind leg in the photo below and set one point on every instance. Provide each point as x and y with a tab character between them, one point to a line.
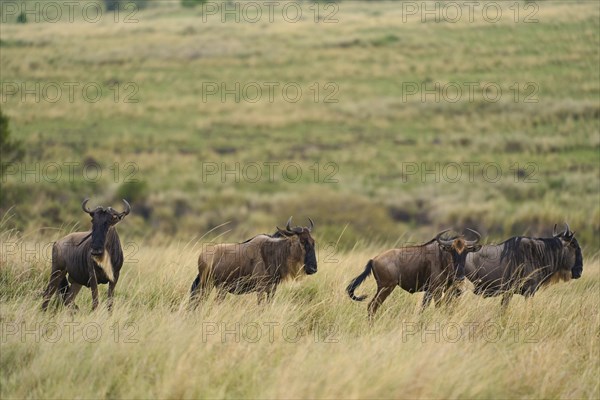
71	294
505	300
426	299
380	296
221	293
55	279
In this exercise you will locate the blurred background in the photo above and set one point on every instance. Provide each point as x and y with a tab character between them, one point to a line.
382	121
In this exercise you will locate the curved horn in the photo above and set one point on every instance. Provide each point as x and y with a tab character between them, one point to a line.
472	242
287	225
554	234
312	225
442	241
127	208
568	230
84	206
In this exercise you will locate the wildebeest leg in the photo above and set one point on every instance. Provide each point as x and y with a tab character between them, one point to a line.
221	293
453	292
437	297
271	292
55	279
259	297
380	296
93	286
74	289
111	294
505	300
426	300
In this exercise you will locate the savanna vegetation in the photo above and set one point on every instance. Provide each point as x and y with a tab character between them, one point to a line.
387	144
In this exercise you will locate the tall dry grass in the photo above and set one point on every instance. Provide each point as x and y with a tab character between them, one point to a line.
311	342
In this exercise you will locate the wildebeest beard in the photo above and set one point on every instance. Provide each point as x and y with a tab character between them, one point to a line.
99	232
458	263
310	259
577	269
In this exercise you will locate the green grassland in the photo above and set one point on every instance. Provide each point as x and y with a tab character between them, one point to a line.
356	145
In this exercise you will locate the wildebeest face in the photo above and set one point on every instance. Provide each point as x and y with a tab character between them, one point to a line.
458	248
308	247
573	258
306	241
572	251
102	220
458	251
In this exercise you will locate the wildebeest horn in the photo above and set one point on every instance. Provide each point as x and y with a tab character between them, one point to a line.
312	225
287	225
84	206
442	241
472	242
554	234
127	208
568	230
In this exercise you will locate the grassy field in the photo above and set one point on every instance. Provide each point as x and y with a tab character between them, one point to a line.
380	150
311	342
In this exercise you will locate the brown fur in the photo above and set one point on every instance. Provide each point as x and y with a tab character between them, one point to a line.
256	265
429	267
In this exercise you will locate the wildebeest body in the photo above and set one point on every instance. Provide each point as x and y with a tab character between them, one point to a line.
256	265
433	267
88	258
69	254
522	265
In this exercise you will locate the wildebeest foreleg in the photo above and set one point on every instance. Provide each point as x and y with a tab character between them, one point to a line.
505	300
111	294
221	293
55	278
426	300
271	292
380	296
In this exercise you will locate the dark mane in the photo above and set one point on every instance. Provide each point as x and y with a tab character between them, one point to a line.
535	258
276	234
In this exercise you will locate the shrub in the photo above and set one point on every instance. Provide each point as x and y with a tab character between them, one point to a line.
134	191
10	150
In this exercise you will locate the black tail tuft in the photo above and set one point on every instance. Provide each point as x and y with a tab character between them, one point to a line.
356	282
63	289
195	284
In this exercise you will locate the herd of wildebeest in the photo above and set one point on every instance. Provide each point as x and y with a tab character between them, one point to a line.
518	265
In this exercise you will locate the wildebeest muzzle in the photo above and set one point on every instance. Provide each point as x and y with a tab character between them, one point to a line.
310	261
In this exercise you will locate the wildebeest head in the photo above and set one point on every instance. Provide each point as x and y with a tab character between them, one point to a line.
102	220
571	251
306	242
458	248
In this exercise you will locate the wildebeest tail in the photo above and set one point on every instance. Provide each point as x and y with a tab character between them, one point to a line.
63	288
356	282
195	284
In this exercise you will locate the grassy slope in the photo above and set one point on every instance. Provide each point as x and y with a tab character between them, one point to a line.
545	348
369	133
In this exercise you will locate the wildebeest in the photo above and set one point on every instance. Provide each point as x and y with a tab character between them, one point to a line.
523	264
256	265
88	258
432	267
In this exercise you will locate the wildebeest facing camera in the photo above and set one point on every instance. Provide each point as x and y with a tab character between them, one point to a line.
194	192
